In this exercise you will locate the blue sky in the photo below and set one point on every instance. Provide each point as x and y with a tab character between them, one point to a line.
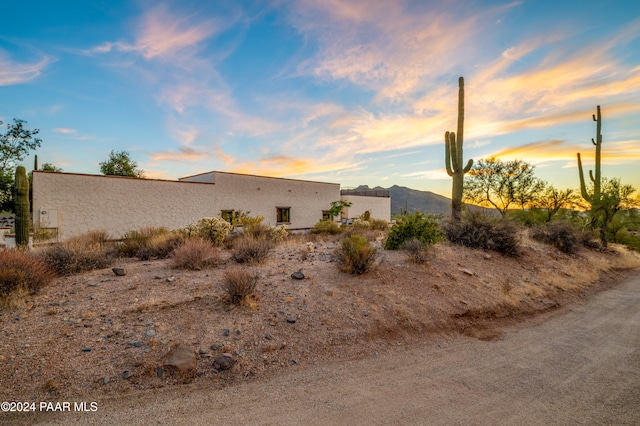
354	92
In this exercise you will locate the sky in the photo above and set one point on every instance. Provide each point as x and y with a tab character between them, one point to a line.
356	92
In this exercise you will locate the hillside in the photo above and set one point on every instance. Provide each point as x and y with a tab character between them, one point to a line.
412	200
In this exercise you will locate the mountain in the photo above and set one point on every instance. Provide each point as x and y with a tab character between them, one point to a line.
414	200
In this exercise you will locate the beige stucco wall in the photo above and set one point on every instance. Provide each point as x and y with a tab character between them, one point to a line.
379	207
118	204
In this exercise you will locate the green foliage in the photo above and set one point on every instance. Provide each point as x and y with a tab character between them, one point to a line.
614	197
23	214
453	157
120	164
79	254
20	270
378	224
356	255
337	207
413	226
326	226
502	185
214	229
15	145
196	254
277	234
482	232
561	235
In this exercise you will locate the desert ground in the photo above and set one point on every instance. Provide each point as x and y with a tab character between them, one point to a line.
101	337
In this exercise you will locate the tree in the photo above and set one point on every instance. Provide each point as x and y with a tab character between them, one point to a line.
552	200
120	164
337	207
15	144
498	184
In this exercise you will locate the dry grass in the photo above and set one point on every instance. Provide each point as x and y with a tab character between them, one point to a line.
83	253
251	250
21	273
196	254
356	255
239	286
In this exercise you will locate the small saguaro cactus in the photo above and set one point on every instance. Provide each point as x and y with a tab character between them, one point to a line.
22	207
593	198
453	157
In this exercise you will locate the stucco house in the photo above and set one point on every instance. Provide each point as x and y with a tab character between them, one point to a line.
74	204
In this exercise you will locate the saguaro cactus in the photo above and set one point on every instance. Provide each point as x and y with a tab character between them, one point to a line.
453	156
592	198
22	207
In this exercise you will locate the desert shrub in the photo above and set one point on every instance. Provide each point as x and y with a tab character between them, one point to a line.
22	271
160	246
214	229
561	235
416	251
134	242
379	224
239	285
360	224
326	226
530	217
277	234
589	239
251	250
83	253
414	226
482	232
196	253
355	254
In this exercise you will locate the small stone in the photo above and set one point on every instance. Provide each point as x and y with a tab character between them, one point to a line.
298	275
366	313
215	346
137	344
170	279
158	277
119	271
127	374
226	332
105	380
268	336
223	362
291	320
159	372
466	271
182	357
149	333
487	256
86	349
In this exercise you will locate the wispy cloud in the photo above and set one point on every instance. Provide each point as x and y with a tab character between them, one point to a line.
12	72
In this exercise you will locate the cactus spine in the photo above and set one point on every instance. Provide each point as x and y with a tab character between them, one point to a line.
593	198
453	156
22	207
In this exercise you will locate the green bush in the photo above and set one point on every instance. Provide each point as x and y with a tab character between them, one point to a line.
20	270
83	253
355	254
414	226
482	232
379	224
326	226
561	235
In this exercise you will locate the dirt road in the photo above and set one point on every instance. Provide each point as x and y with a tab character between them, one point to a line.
581	366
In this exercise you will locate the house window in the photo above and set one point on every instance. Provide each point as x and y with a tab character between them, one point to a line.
326	215
283	214
227	215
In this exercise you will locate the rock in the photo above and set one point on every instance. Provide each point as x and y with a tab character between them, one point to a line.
366	313
119	271
127	374
226	332
159	372
223	362
137	344
487	256
181	357
86	349
149	333
298	275
215	346
466	271
170	279
268	336
105	380
291	320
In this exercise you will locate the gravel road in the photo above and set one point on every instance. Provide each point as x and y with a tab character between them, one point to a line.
578	366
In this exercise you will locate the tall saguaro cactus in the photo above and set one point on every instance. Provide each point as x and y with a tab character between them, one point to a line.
592	198
453	156
22	207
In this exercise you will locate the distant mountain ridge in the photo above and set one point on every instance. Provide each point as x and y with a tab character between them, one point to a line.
413	200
